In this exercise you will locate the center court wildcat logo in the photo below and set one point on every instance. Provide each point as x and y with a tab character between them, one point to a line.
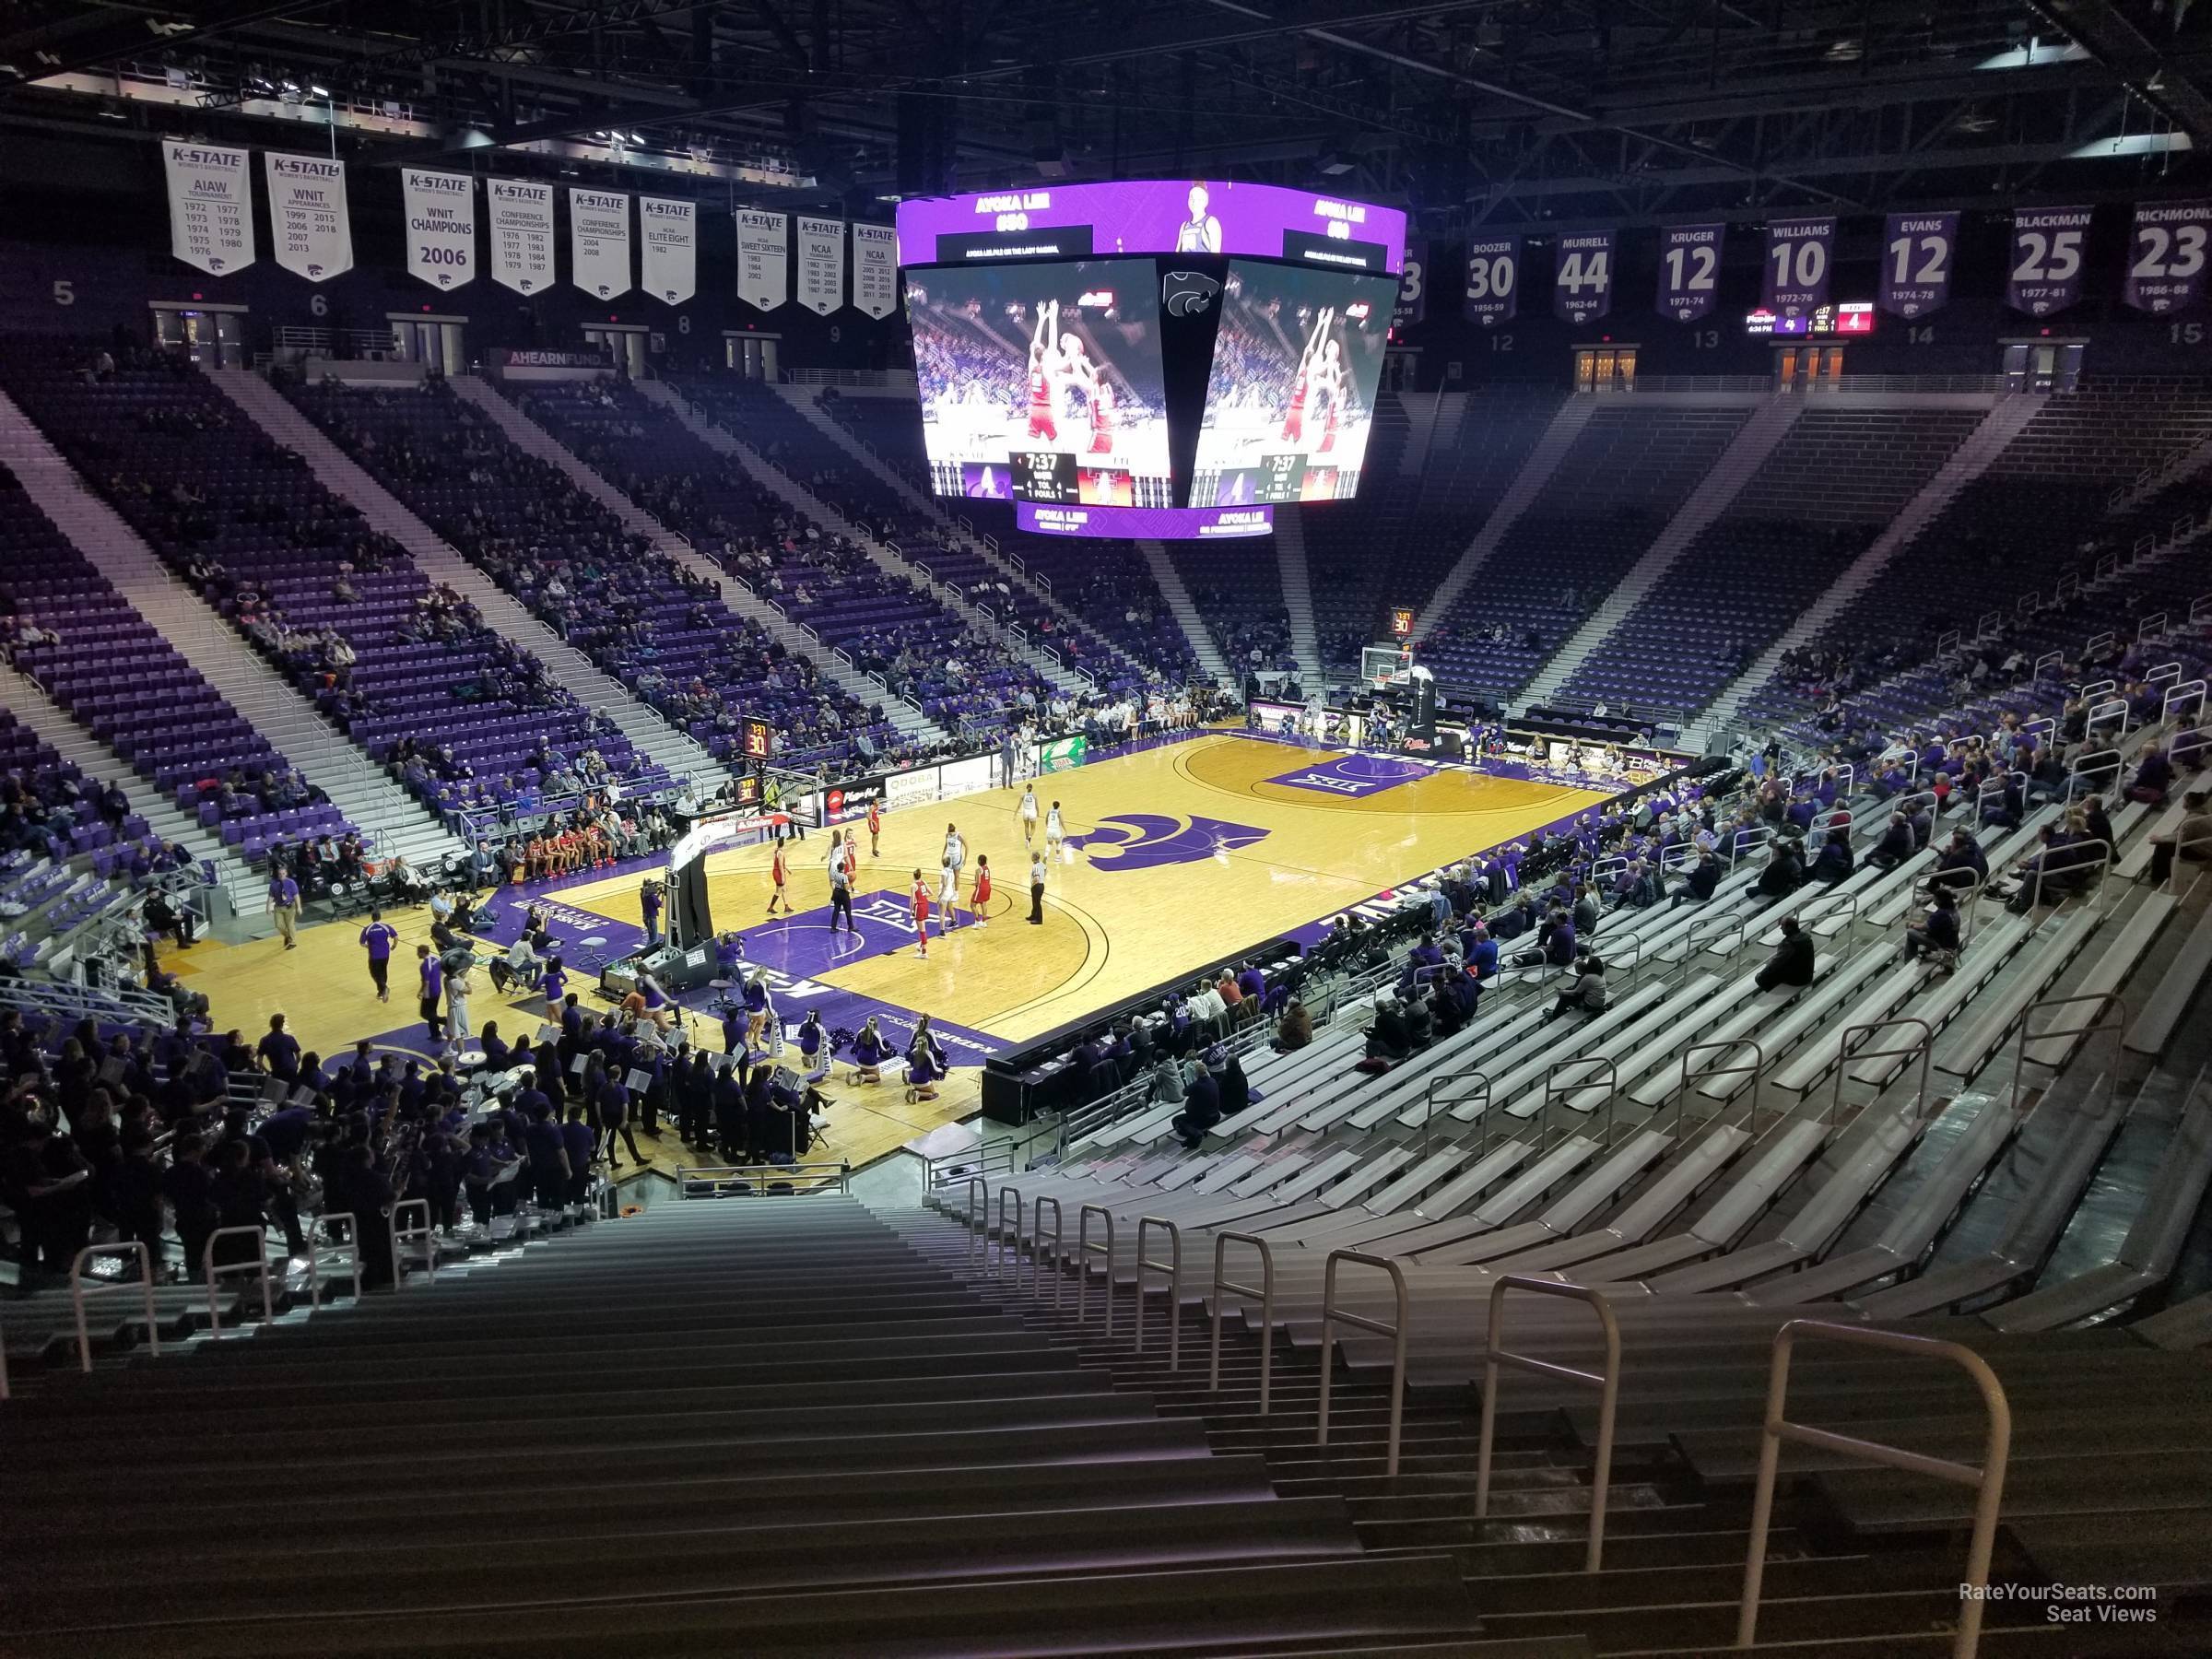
1144	841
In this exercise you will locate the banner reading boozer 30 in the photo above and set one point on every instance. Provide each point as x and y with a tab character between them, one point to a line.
442	227
2166	255
1493	279
307	216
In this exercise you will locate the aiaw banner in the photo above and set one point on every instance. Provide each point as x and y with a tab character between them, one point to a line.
210	207
669	234
821	264
442	227
599	241
763	257
875	269
521	234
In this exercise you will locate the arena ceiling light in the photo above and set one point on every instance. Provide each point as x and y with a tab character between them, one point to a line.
2037	54
2132	144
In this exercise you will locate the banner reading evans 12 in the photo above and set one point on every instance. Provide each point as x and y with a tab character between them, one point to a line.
210	207
821	264
599	240
1690	270
669	233
521	234
2166	255
1795	279
442	227
2046	259
1917	255
1493	279
875	269
763	257
1581	282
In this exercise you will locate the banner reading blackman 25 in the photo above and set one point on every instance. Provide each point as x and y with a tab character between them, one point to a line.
763	258
521	234
670	266
1918	250
1690	270
1493	279
599	240
1582	281
2166	255
1795	279
442	227
210	207
307	216
875	269
2046	259
821	264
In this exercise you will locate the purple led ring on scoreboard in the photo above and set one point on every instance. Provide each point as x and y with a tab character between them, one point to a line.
1144	523
1152	216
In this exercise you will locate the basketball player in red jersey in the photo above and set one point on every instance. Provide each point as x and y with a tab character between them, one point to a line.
778	875
921	915
1294	421
1044	370
983	889
1328	383
1102	415
875	829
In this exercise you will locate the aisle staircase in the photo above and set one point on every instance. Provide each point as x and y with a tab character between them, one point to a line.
503	614
1184	609
1536	472
1298	588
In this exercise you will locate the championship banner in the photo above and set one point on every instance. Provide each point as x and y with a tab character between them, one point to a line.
1690	270
210	207
2046	259
307	215
1798	256
1412	303
1581	285
2166	256
668	268
875	269
763	257
442	227
599	240
1917	250
821	264
521	234
1493	279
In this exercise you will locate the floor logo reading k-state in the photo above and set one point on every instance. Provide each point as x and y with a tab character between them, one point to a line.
1144	841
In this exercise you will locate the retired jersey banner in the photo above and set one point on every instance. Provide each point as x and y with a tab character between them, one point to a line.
1412	303
2166	255
521	234
1690	270
875	269
442	227
1799	251
1917	255
669	233
1581	280
821	264
1493	279
2046	259
763	257
210	207
599	240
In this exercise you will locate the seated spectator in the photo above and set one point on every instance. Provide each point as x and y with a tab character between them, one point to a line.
1833	863
2154	777
1895	844
1201	1108
1587	995
2190	839
1792	963
1701	883
1295	1030
1936	934
1783	875
1961	863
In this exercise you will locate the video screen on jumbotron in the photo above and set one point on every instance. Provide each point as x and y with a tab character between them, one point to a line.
1291	394
1043	383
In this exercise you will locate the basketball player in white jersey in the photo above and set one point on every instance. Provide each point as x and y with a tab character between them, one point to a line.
1055	830
1029	813
949	896
1201	233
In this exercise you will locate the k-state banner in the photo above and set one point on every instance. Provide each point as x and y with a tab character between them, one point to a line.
1917	255
875	269
1798	254
521	234
2046	259
1581	280
1493	279
821	264
1690	270
307	215
2166	255
1412	303
442	227
670	266
210	207
599	240
763	257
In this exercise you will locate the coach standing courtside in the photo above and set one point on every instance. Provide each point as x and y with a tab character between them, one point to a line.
284	904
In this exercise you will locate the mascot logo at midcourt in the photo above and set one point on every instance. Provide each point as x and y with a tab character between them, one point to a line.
1144	841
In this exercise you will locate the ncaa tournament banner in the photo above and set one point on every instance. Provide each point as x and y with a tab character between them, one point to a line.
875	269
1493	279
521	234
599	240
668	268
2166	255
307	215
442	227
1581	282
1917	250
1690	270
210	207
2045	268
1412	303
821	264
763	257
1798	252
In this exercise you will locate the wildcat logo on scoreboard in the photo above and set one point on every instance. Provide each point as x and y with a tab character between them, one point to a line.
1144	841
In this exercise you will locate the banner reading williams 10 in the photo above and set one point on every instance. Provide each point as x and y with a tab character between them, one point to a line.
1795	280
2166	255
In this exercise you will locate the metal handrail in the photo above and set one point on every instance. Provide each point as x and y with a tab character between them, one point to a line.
978	1221
1331	1315
425	1236
78	1291
260	1265
1036	1241
1756	1070
1924	1046
1222	1240
1607	1382
1429	1089
1172	1267
1555	1091
1084	1250
1988	1482
995	1263
2110	1014
352	1245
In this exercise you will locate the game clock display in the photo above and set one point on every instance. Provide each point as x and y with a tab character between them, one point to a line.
1046	477
758	740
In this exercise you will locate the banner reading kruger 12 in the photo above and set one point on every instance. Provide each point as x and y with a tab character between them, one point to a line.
1690	270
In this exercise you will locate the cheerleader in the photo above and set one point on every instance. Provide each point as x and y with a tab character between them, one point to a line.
869	1052
925	1063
